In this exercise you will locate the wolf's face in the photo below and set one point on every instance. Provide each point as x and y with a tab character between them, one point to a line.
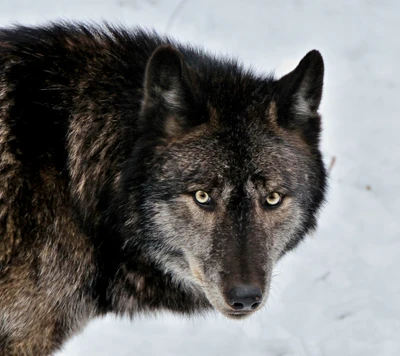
236	175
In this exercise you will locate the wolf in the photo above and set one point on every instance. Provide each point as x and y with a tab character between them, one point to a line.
139	174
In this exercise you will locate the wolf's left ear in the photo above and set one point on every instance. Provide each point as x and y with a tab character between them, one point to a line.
168	95
298	94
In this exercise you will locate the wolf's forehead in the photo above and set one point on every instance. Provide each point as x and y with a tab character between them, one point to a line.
232	155
226	170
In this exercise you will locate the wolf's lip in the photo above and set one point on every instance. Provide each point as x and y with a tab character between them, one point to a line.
238	314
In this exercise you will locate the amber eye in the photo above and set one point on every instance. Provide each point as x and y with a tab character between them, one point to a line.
273	199
202	197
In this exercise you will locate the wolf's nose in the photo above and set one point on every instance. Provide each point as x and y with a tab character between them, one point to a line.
244	297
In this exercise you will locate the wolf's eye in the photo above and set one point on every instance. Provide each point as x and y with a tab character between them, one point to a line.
202	197
273	199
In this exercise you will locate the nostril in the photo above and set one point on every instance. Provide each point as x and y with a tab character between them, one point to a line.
255	305
238	306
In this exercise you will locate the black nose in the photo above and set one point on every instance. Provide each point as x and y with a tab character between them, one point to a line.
244	297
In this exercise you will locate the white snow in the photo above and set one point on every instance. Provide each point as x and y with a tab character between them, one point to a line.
339	293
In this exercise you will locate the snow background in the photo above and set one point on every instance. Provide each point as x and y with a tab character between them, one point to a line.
339	293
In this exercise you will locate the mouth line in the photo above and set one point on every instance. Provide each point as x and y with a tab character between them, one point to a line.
239	314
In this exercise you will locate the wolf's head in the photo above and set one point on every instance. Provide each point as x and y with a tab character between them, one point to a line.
234	175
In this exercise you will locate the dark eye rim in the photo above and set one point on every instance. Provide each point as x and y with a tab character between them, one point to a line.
267	206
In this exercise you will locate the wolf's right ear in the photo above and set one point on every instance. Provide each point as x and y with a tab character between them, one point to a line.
167	94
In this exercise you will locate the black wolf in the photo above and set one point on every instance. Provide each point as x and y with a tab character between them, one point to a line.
138	174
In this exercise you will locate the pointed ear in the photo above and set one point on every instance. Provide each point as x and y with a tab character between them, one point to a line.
165	77
301	89
168	96
298	96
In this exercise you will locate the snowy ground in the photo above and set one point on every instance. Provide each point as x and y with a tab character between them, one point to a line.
339	293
